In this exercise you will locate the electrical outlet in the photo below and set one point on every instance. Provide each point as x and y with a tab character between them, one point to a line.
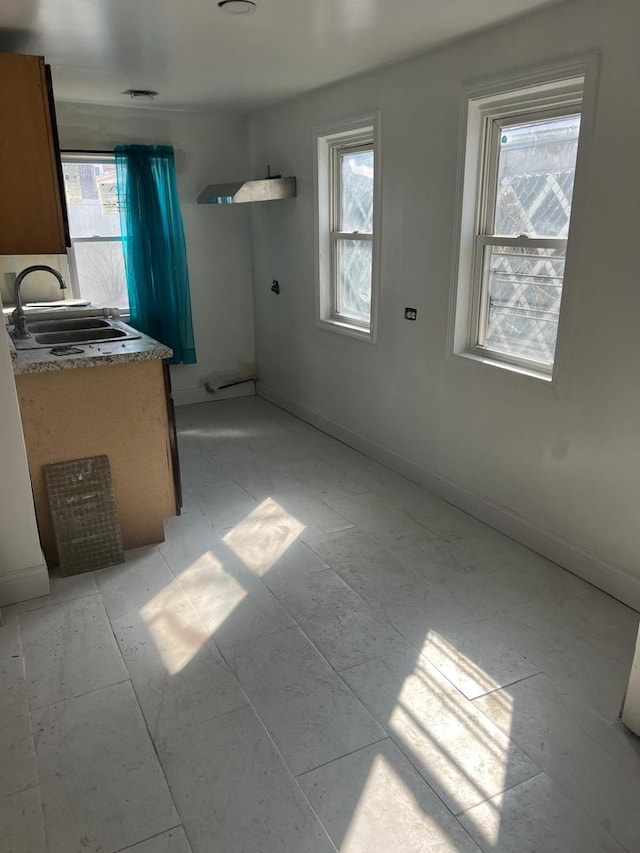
410	313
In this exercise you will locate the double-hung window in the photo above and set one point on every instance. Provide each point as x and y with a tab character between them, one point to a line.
96	258
347	229
521	155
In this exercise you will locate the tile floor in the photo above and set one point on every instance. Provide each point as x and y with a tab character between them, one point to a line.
321	656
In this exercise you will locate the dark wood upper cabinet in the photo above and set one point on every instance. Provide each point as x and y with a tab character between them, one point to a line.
32	204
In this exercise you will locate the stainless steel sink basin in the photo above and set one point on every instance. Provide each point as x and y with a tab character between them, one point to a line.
39	326
78	330
81	336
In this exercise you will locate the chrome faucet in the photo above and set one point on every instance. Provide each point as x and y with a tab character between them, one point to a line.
18	317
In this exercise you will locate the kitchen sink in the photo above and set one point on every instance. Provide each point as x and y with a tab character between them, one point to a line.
78	330
65	325
81	336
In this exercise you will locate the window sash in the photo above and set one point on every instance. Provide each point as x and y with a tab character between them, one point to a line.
493	127
97	239
338	150
73	263
336	288
493	123
80	158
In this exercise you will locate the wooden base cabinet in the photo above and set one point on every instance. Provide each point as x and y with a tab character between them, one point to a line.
120	410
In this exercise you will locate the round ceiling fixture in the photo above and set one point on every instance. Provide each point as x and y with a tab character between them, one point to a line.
237	7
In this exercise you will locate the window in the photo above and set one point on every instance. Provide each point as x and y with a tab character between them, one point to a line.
521	156
96	259
347	229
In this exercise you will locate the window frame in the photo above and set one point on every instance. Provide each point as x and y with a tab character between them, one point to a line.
566	88
331	144
88	157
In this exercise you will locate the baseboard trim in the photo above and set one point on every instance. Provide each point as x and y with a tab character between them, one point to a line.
20	585
571	556
189	396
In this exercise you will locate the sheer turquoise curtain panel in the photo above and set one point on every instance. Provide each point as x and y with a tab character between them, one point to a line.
154	247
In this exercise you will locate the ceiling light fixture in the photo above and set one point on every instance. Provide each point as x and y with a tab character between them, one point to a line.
237	7
141	94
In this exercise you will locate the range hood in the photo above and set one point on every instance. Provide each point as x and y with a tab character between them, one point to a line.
241	192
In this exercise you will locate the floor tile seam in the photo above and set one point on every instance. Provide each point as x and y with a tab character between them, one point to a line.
576	803
575	706
229	649
29	720
340	757
37	787
414	761
78	695
205	630
20	643
373	658
23	790
343	682
375	611
159	762
142	714
399	743
149	838
502	793
420	655
144	719
513	683
556	781
282	583
159	738
288	770
20	660
212	635
51	604
19	656
390	735
560	783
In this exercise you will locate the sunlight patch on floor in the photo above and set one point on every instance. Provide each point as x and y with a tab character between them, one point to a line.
264	536
220	432
177	634
388	807
451	661
259	540
454	748
214	591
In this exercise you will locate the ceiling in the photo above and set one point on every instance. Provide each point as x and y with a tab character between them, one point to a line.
196	55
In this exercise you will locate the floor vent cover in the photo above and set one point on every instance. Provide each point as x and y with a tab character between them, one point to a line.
84	514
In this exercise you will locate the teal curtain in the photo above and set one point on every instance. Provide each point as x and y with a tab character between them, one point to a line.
154	247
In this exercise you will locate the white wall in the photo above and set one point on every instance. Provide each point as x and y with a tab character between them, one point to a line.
23	573
208	148
566	463
631	707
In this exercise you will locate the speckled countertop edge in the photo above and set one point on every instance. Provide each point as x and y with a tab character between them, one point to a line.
12	349
93	355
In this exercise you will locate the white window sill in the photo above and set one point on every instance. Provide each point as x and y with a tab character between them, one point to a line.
342	327
506	366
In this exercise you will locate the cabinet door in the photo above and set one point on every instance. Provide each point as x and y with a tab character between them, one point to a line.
31	203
